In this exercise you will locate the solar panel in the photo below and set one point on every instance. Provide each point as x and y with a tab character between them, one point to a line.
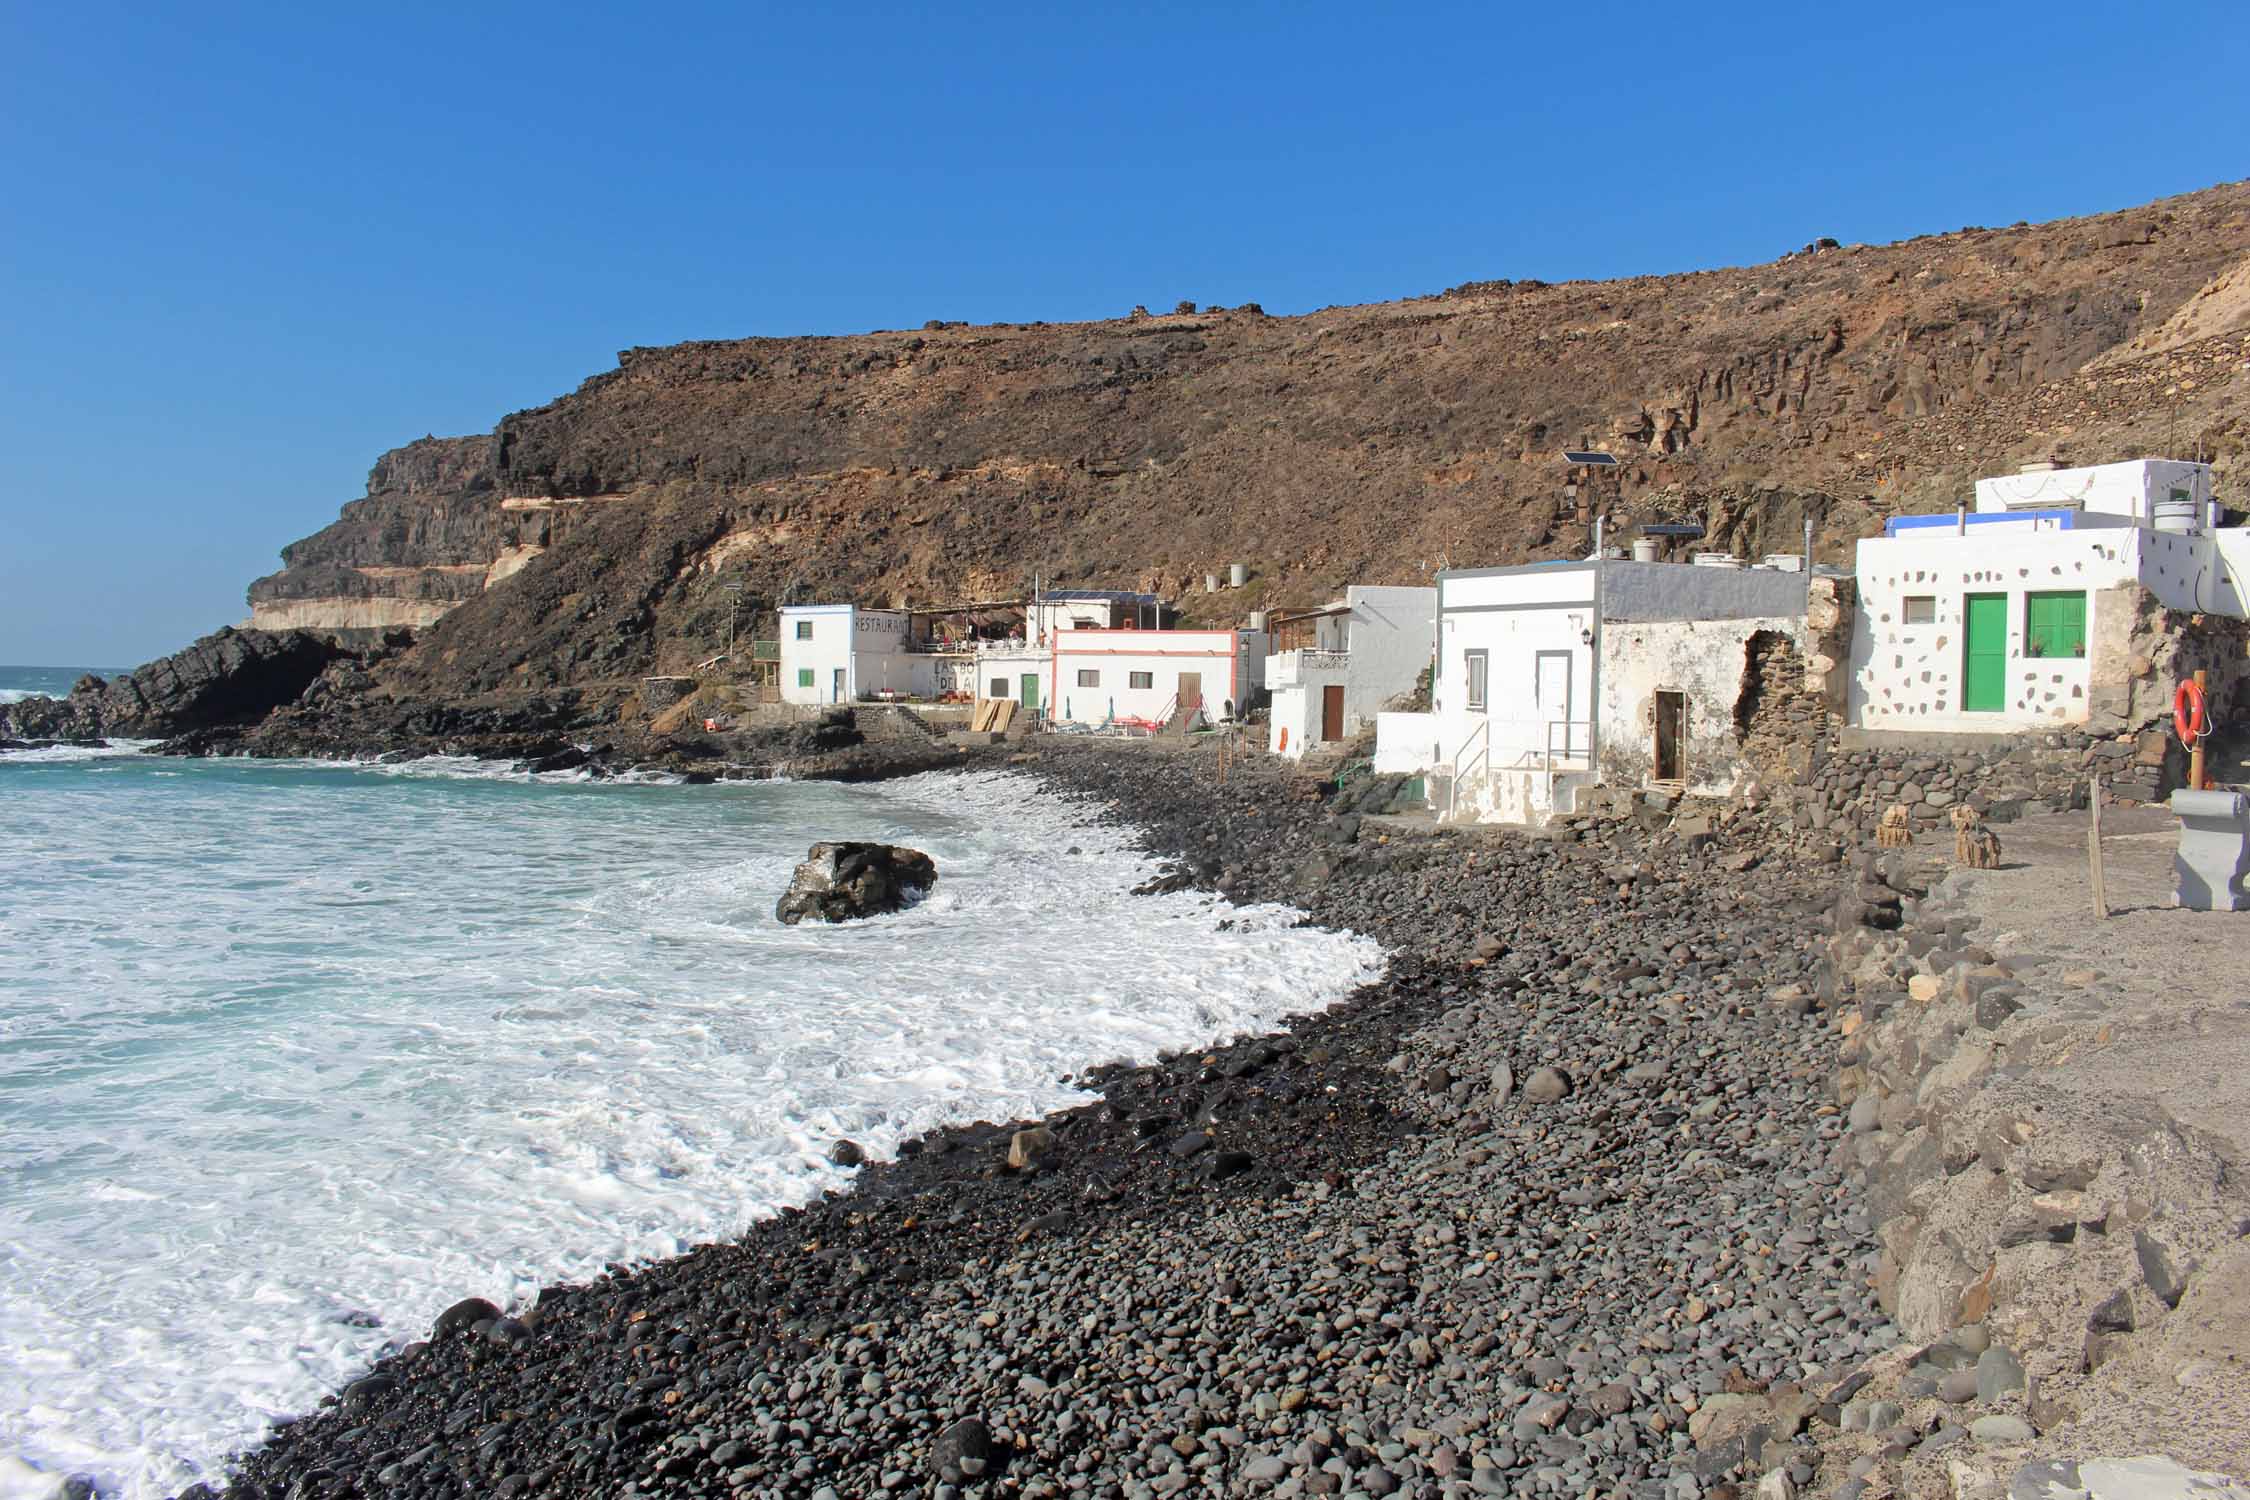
1590	458
1671	528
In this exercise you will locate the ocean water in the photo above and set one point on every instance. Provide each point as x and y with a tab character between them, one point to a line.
293	1054
19	683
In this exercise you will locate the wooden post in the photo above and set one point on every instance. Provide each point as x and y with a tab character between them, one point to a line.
2094	847
2195	751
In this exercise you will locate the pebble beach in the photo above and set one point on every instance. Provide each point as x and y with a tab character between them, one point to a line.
1504	1222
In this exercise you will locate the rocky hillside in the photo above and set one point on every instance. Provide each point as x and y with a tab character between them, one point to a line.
587	539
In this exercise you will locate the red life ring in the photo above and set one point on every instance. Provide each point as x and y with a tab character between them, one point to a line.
2191	728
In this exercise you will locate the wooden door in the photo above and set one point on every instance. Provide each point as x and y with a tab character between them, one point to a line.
836	693
1191	690
1671	736
1332	712
1984	654
1030	684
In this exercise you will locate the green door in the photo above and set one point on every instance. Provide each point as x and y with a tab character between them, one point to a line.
1031	692
1984	654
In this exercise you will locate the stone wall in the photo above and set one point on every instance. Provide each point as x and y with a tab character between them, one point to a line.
1850	781
2046	1250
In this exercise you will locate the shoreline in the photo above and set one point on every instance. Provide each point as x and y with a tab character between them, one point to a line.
1287	1122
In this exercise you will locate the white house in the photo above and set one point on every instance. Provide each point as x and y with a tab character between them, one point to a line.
1018	670
1356	655
2037	608
1557	676
1144	676
2141	492
1090	609
838	653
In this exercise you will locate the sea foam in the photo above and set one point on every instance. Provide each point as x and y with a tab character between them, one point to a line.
287	1049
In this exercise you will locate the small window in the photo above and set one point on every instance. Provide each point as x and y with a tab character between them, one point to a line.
1089	677
1140	679
1475	661
2054	625
804	630
999	688
804	677
1920	609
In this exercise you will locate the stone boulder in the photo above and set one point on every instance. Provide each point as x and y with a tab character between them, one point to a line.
841	882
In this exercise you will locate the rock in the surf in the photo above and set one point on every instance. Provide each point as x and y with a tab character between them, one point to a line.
841	882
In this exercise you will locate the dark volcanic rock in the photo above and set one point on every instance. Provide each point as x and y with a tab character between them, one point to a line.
229	677
840	882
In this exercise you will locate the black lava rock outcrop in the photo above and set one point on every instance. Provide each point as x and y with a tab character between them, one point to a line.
228	677
841	882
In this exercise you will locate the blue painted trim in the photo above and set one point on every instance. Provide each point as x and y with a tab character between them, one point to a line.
2065	519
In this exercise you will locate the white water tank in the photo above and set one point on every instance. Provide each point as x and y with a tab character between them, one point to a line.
1210	583
1784	562
1238	574
1717	560
1258	621
1647	549
2175	515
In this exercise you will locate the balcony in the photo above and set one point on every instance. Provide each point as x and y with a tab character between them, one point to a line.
1293	668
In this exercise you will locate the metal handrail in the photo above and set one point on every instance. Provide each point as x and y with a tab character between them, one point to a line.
1551	771
1568	752
1460	771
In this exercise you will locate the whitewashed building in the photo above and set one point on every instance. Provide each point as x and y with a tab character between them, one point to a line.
1054	610
1141	677
1357	654
2040	607
1018	670
1555	677
839	653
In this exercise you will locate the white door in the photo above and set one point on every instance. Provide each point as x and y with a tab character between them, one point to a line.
1552	692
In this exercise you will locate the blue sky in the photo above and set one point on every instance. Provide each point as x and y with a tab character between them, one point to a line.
247	248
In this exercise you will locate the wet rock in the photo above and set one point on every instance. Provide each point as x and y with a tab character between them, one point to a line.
1026	1148
466	1313
843	882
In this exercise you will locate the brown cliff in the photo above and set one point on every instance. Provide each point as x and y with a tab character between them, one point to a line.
586	540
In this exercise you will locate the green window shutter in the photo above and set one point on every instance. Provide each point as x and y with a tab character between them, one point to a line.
804	677
2055	625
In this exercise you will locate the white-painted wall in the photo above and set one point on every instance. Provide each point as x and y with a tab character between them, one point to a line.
2129	489
1909	676
827	652
868	646
1000	671
1299	681
1390	635
1405	742
1230	662
1519	617
881	663
1045	617
2207	572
